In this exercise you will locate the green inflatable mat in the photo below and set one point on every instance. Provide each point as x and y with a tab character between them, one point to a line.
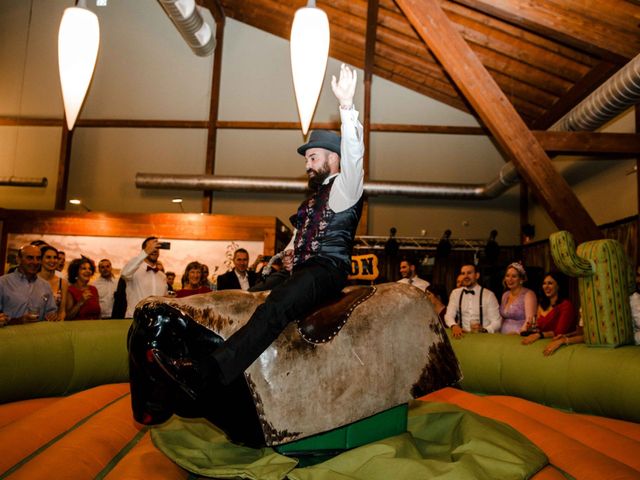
442	441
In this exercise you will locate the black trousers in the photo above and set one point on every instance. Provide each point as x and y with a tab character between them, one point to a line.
311	283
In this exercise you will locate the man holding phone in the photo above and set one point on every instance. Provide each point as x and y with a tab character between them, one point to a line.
142	275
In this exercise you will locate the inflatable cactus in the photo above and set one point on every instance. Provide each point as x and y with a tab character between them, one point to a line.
605	281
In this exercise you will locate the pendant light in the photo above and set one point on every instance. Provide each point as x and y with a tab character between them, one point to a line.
309	54
78	42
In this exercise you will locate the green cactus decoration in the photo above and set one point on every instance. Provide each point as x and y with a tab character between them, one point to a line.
605	281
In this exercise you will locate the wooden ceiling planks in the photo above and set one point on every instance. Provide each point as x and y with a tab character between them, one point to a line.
580	27
545	55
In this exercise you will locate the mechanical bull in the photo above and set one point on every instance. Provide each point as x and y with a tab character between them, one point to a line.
347	361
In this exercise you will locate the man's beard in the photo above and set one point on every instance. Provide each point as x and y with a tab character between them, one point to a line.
318	179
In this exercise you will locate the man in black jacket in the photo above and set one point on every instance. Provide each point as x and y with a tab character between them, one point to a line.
240	277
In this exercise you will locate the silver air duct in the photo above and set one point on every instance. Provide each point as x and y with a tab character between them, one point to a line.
285	185
613	97
187	18
23	181
617	94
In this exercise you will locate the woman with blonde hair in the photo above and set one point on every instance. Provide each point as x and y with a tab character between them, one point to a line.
519	304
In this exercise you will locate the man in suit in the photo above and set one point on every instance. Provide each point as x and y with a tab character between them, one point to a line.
240	277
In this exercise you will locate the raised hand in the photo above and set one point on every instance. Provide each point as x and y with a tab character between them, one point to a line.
345	87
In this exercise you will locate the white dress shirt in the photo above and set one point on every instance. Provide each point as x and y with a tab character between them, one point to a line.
470	309
242	279
106	288
349	183
416	281
141	283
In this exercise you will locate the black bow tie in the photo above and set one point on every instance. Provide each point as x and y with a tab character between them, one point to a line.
153	269
468	291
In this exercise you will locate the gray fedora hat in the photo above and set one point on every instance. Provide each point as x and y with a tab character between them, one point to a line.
322	139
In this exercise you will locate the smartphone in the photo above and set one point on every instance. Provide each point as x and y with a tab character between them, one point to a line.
163	245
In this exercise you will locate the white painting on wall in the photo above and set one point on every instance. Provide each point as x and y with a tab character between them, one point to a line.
216	254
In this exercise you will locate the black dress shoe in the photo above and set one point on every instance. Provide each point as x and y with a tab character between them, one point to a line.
185	372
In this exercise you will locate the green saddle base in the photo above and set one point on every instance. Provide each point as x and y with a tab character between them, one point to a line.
322	447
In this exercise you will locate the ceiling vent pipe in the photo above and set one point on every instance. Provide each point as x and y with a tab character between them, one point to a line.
608	101
220	183
613	97
187	17
23	181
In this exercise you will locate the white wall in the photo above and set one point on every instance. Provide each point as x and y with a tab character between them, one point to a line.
146	71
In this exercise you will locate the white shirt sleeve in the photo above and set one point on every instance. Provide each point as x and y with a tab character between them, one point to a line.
452	307
349	184
132	265
491	312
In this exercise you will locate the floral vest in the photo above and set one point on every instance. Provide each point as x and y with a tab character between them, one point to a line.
323	232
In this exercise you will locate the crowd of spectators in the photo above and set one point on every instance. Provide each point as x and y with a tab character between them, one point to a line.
536	312
36	288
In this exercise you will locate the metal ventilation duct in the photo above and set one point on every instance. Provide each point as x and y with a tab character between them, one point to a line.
613	97
23	181
187	18
217	183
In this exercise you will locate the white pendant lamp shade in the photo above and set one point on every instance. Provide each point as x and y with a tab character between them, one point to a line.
78	42
309	54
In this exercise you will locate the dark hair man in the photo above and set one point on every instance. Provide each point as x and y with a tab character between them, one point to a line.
143	276
472	308
240	277
106	285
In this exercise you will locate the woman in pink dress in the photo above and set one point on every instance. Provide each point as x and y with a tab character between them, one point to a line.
556	315
518	305
82	299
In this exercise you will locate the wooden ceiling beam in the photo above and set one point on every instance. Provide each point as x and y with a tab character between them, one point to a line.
513	136
369	54
589	143
549	20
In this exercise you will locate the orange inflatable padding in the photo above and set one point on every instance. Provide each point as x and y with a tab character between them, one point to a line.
600	438
24	437
144	460
564	451
86	450
549	473
628	429
10	412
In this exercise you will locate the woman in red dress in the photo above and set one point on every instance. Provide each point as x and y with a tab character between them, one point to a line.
82	298
193	281
556	315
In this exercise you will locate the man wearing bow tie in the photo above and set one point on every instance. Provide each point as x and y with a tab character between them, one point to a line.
143	276
472	308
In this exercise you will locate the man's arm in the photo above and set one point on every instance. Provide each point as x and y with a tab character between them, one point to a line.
452	312
348	186
491	312
132	265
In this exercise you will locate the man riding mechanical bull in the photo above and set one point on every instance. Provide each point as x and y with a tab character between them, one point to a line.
177	365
